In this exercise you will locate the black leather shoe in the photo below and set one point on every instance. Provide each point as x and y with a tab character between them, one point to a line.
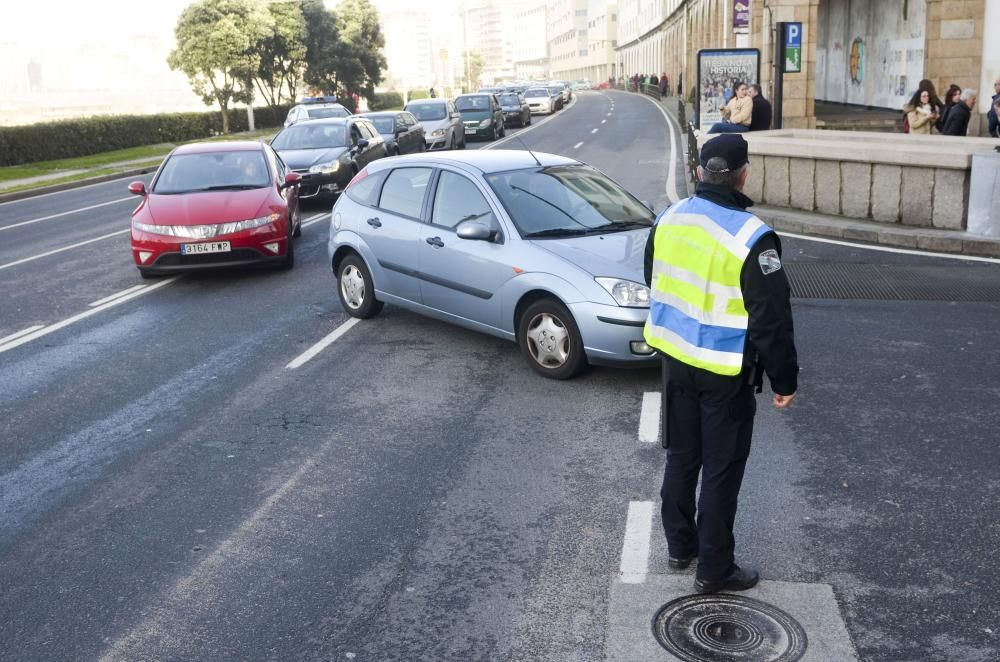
737	580
681	563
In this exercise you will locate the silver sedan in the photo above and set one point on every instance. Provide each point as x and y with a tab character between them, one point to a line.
535	248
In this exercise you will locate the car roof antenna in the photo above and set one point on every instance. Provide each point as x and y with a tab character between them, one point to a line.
528	149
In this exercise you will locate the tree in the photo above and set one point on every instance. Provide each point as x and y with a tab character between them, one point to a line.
282	53
217	42
343	51
472	61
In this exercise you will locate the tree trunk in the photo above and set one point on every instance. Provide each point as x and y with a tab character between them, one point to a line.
225	117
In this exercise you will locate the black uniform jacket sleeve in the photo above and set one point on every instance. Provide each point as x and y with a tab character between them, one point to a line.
767	296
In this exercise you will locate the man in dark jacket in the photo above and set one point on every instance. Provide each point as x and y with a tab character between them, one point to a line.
992	115
717	340
761	118
957	123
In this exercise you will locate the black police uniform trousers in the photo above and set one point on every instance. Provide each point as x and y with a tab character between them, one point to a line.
709	425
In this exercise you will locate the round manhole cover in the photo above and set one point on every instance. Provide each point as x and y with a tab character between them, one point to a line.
728	628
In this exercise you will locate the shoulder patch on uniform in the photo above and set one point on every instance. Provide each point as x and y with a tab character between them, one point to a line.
769	261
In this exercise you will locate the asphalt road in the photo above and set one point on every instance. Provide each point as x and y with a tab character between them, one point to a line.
169	489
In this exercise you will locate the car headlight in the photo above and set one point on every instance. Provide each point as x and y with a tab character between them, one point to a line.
206	231
625	292
437	133
486	122
326	168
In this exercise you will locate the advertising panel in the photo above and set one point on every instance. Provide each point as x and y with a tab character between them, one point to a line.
741	16
718	72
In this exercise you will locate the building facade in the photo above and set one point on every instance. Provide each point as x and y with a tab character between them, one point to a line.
409	56
531	48
567	37
602	37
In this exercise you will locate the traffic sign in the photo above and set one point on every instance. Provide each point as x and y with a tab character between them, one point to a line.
793	48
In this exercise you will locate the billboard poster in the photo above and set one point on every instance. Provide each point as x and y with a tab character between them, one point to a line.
718	72
741	16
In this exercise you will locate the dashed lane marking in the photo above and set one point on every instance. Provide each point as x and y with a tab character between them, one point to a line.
635	548
65	213
649	418
51	328
672	169
60	250
322	344
603	121
577	146
595	130
533	126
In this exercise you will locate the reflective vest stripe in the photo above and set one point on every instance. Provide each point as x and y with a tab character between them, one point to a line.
706	336
697	251
720	292
736	244
706	359
710	317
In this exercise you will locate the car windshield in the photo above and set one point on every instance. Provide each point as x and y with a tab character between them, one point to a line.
320	113
567	200
509	100
428	112
555	89
537	92
212	171
384	125
310	136
472	104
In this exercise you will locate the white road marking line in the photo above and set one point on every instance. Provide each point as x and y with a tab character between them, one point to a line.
322	344
890	249
635	547
577	146
595	130
66	213
46	330
649	419
672	170
23	332
533	126
114	296
603	121
64	248
314	219
75	189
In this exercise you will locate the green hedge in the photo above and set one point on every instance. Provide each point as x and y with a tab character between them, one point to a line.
66	139
415	95
385	101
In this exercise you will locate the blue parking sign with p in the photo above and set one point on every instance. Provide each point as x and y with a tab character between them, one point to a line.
793	48
793	35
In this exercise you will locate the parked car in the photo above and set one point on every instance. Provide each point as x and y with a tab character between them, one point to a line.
401	131
442	124
567	90
314	108
546	253
216	204
328	153
539	100
583	85
515	109
556	94
481	115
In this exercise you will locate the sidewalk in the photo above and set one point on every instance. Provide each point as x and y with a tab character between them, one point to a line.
895	235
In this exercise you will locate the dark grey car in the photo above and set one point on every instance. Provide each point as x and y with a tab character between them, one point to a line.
402	133
515	108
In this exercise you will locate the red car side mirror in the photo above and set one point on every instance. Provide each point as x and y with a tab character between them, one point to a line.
291	179
137	188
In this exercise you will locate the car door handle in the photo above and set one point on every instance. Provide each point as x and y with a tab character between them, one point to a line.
435	241
374	222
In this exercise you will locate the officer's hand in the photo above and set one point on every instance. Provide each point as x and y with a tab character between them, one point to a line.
783	401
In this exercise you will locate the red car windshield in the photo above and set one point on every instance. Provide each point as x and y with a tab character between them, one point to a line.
212	171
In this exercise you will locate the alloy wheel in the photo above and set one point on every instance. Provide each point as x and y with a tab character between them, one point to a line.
548	340
352	287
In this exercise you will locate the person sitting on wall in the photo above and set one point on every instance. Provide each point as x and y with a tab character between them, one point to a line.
760	120
737	115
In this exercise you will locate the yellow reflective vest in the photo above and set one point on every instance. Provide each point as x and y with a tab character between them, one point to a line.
696	311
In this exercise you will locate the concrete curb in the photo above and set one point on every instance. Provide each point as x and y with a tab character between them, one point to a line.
879	234
66	186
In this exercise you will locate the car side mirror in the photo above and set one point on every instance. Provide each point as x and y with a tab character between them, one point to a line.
363	143
475	231
291	179
137	188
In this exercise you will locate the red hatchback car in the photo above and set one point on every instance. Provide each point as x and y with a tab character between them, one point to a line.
216	205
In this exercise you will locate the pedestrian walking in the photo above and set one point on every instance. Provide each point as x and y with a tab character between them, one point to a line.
951	97
664	84
680	84
992	116
720	314
920	114
654	80
957	123
737	114
760	119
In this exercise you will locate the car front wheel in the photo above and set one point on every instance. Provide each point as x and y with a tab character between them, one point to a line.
550	340
356	288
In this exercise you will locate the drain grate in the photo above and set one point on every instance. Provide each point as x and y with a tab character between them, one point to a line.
826	280
728	628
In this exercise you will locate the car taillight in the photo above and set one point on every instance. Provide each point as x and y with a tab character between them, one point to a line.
357	178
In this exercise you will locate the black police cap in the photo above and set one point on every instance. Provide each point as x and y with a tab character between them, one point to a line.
730	147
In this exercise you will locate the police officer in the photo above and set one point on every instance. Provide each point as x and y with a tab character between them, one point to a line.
720	314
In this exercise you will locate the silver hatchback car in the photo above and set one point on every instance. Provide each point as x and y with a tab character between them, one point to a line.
535	248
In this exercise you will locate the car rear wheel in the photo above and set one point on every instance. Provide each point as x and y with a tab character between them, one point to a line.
550	340
356	289
297	223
